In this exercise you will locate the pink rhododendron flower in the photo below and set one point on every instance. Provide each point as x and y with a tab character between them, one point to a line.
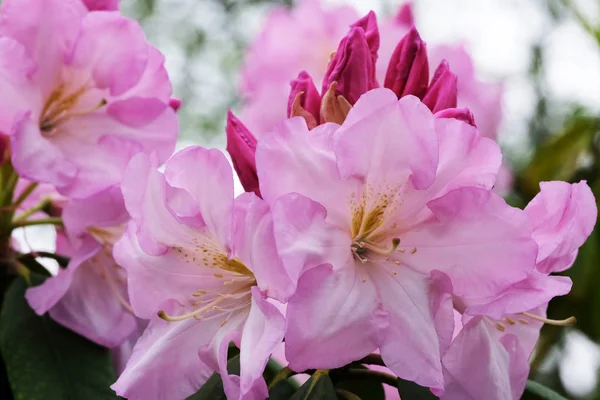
83	92
489	357
364	214
90	296
351	72
206	264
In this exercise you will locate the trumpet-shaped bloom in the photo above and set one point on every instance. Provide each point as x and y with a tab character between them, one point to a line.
489	357
364	213
200	267
89	296
81	93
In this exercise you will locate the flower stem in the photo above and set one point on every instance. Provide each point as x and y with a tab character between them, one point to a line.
372	359
346	394
26	214
367	374
43	221
282	375
25	194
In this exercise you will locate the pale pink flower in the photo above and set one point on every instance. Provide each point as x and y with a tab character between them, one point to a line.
365	213
489	356
82	92
292	40
206	264
89	296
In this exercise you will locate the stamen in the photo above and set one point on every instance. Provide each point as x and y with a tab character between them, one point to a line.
509	320
384	252
523	321
562	322
413	251
500	327
162	314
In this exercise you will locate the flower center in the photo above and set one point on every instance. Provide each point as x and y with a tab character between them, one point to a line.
228	289
63	105
373	237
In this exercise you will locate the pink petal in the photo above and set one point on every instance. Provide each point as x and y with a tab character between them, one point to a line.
165	363
80	299
241	146
36	158
113	48
263	331
292	160
17	93
563	216
534	291
47	30
154	82
333	318
152	131
253	241
136	112
154	279
479	241
397	140
480	366
409	346
206	175
104	209
304	237
144	190
45	296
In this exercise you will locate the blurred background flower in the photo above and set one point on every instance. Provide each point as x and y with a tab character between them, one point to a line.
546	54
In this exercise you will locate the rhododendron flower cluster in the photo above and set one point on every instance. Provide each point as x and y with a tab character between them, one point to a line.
369	229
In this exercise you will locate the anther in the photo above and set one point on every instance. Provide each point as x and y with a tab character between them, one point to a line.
500	327
509	320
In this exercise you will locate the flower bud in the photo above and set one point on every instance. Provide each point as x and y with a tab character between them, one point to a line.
304	100
462	114
408	70
241	146
175	103
442	92
352	67
368	23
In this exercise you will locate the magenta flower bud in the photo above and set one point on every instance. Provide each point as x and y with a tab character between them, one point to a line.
101	5
352	67
442	92
241	146
462	114
405	15
304	100
368	23
175	103
408	70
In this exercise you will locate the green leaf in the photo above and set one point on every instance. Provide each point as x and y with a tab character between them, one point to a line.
45	360
365	389
559	158
318	387
213	388
539	391
411	391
